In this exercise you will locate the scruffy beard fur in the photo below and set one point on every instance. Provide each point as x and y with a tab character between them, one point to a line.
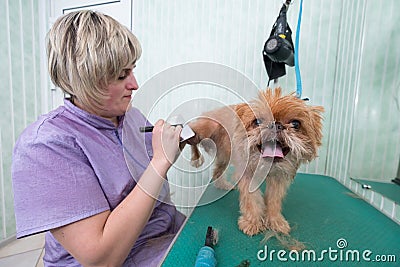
243	135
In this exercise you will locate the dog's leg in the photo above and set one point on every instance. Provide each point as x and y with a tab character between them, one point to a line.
219	176
252	209
274	195
197	158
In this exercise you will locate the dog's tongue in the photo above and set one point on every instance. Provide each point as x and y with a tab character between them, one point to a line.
272	150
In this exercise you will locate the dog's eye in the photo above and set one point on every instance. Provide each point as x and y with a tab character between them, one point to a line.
295	124
257	122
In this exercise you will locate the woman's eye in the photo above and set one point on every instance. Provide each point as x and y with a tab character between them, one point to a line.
295	124
122	77
124	74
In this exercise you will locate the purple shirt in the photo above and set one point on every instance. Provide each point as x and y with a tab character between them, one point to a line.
70	165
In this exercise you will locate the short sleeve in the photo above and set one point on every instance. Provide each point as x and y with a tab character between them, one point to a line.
54	184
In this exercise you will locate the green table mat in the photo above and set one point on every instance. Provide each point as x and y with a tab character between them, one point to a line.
325	217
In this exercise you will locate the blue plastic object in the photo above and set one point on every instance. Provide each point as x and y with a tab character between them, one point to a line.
206	257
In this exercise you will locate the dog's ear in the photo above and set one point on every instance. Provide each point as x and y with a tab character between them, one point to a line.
316	123
241	109
245	114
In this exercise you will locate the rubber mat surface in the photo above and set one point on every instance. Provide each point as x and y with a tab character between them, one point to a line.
335	227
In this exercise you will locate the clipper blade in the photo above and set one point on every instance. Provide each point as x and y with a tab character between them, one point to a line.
211	237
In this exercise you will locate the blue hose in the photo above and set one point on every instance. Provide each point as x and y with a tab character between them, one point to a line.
296	54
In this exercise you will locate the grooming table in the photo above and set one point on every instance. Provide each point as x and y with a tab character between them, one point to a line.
323	214
388	189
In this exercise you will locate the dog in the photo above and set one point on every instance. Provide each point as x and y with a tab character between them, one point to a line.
267	140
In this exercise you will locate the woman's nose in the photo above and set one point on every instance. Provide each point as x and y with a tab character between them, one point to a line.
132	83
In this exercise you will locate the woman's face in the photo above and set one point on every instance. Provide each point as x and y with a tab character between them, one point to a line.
120	94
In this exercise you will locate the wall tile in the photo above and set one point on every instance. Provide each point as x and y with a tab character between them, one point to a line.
20	96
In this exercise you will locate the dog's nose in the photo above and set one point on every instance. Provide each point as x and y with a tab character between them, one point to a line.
276	125
279	126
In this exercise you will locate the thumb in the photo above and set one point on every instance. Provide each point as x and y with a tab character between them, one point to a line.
160	122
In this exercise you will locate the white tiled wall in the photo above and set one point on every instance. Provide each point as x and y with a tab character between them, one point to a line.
20	94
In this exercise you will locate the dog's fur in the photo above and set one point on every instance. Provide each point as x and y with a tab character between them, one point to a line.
243	132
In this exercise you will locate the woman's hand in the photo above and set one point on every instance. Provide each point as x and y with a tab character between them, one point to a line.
165	144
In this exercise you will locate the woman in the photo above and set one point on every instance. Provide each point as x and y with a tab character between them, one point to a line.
70	177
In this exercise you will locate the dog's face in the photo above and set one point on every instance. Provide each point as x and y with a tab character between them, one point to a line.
281	128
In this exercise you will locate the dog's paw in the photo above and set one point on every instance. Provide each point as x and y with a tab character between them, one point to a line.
197	162
222	183
251	226
277	224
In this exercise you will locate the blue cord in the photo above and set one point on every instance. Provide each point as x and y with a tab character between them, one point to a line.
296	54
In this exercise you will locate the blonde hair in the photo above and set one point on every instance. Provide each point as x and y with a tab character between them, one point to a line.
86	51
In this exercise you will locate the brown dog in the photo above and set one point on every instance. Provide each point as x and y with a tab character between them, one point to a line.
266	139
